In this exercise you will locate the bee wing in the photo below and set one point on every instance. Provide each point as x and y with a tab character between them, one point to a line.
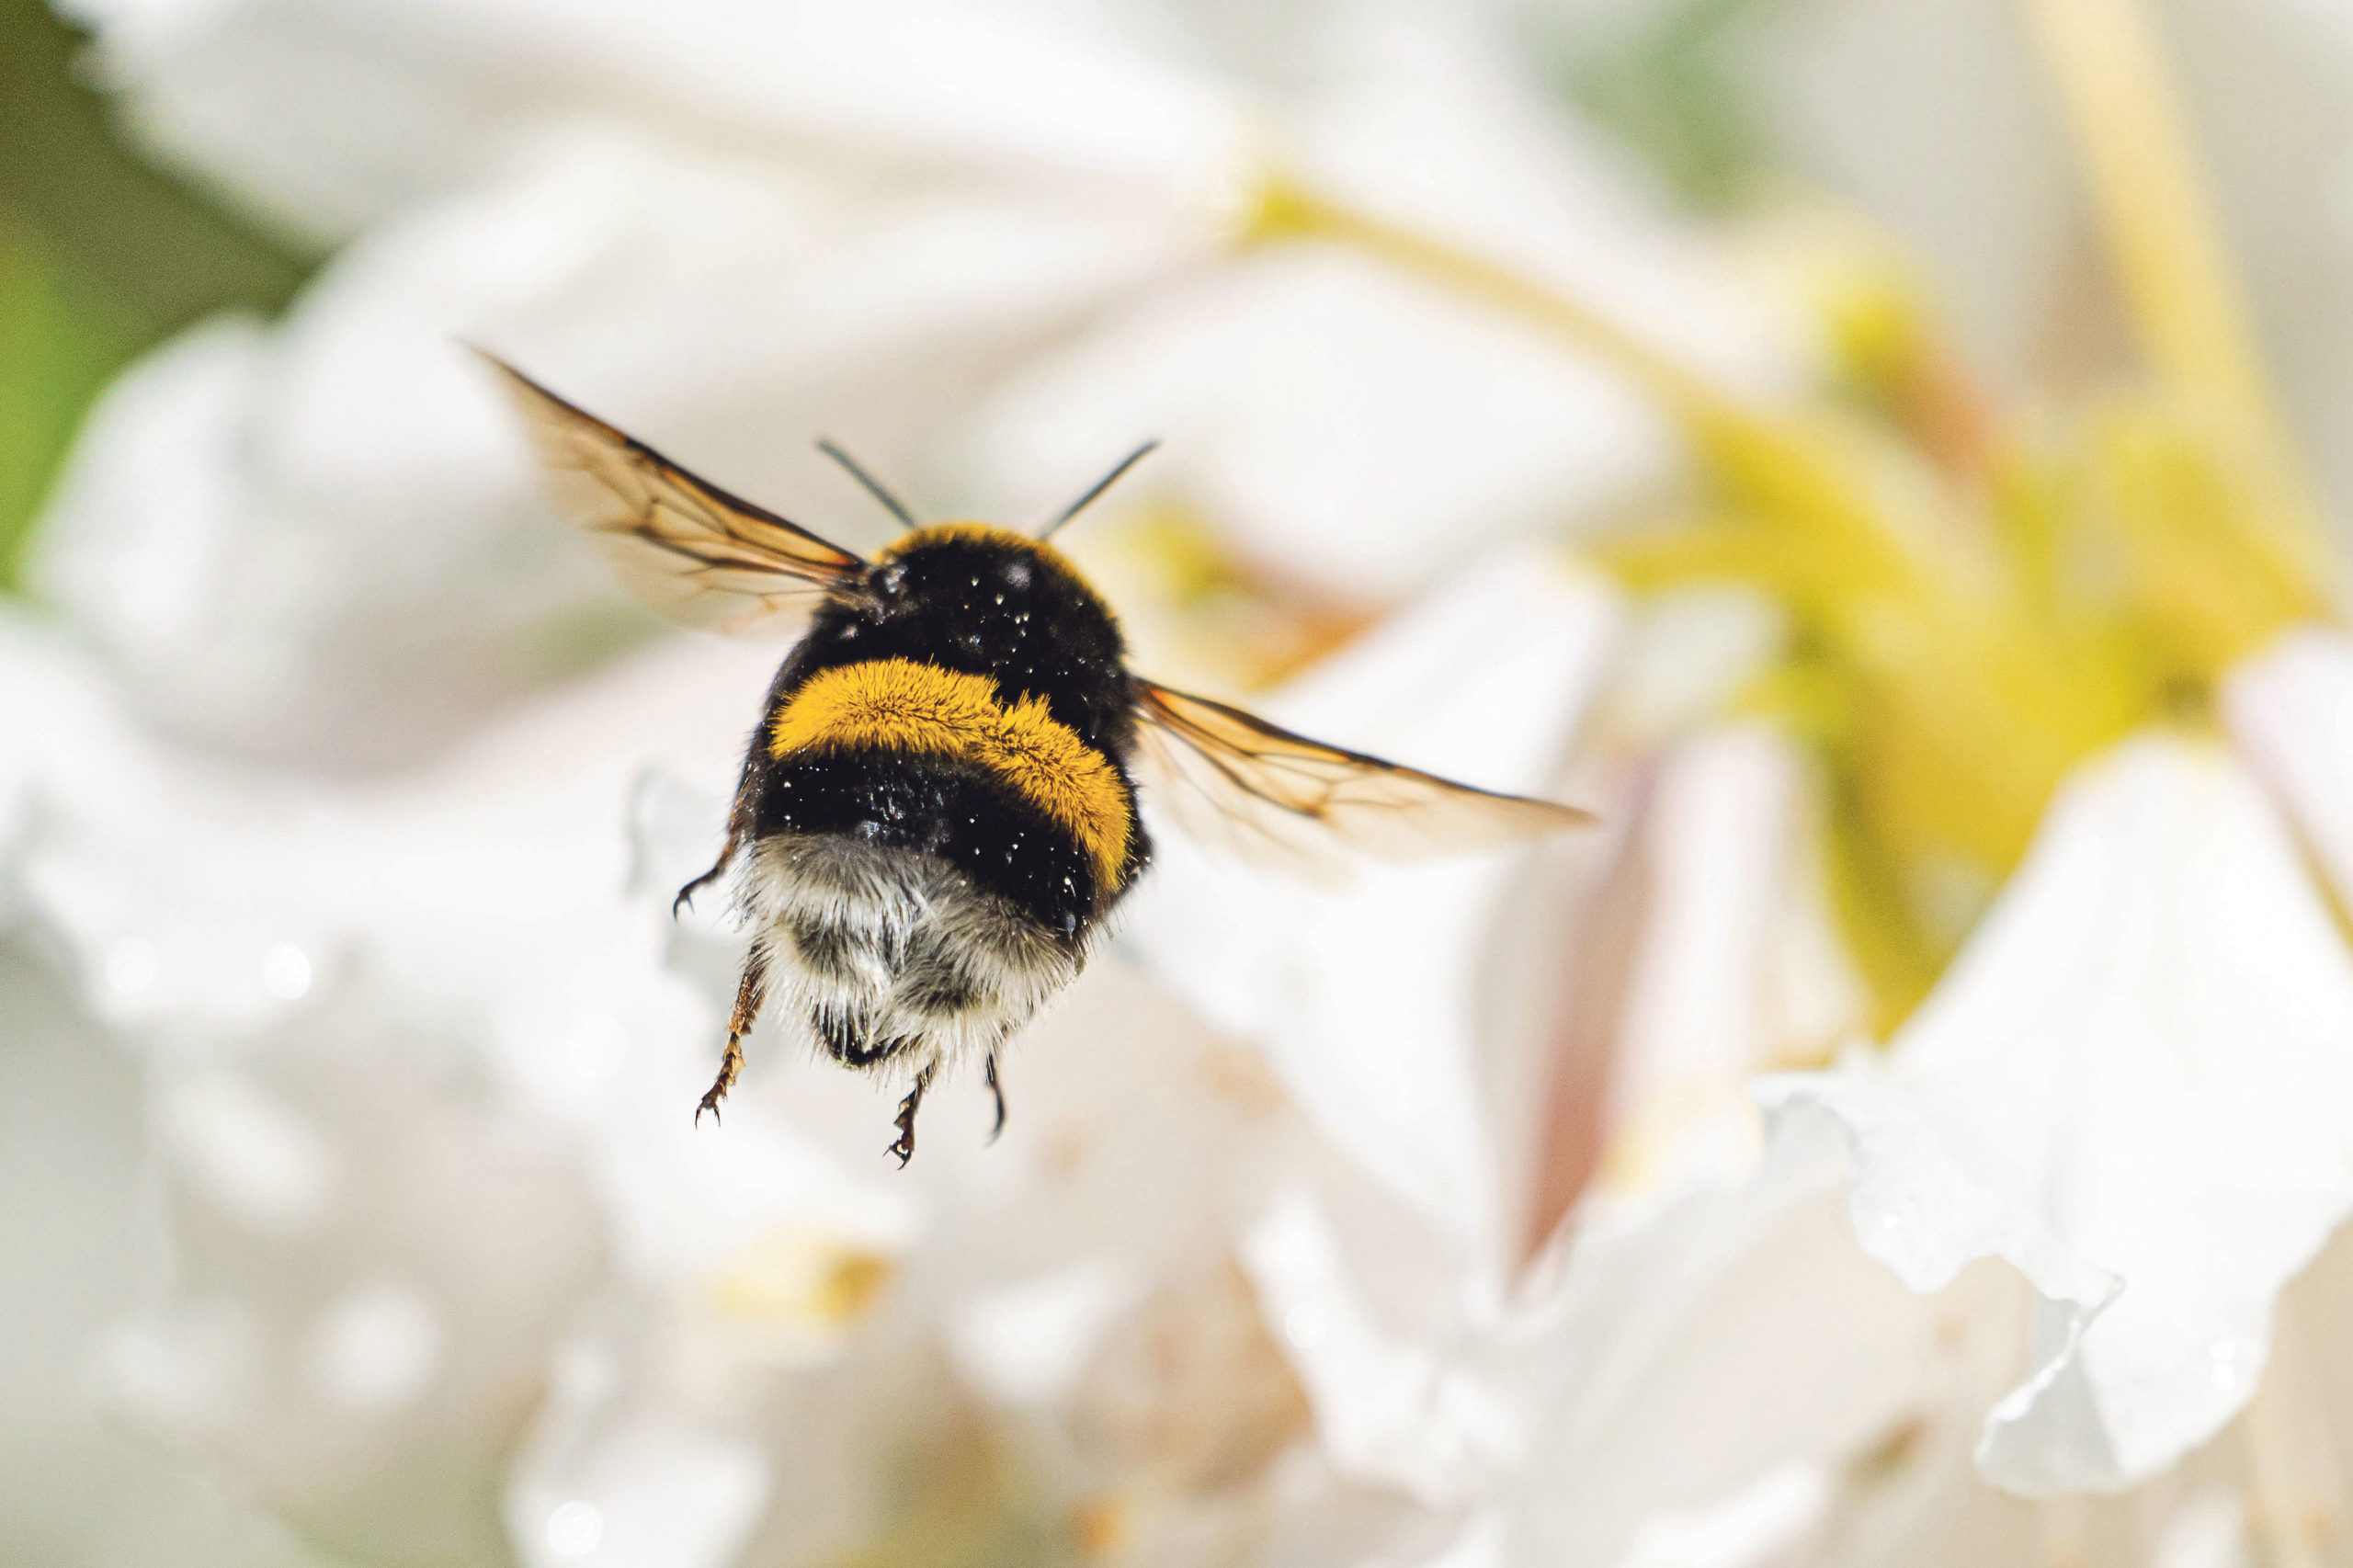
1266	789
690	550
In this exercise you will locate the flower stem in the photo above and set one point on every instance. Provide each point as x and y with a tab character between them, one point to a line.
2167	248
1286	209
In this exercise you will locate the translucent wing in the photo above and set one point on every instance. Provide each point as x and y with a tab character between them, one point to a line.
693	552
1229	775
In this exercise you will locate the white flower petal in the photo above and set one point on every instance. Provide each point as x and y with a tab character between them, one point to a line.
1478	1544
645	1494
1026	1342
1350	422
1704	953
2137	1068
1387	1408
2207	1530
1430	122
1771	1521
2290	711
329	116
325	540
1680	1359
1718	852
1368	1000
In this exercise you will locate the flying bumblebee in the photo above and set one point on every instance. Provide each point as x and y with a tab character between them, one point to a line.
938	807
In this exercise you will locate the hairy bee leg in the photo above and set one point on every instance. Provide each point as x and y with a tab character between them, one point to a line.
905	1146
998	1090
726	857
749	994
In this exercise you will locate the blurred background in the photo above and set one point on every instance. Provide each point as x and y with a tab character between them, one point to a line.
1884	456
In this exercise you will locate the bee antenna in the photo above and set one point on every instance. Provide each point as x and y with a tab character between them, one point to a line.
874	486
1100	486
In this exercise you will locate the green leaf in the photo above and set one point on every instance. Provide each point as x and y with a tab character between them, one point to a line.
101	257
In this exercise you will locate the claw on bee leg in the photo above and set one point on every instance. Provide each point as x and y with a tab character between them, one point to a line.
996	1089
905	1145
687	894
729	1065
749	994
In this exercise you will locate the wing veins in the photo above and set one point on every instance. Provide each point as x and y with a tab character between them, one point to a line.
692	549
1262	778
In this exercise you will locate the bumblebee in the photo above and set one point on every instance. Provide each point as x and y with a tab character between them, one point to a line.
939	808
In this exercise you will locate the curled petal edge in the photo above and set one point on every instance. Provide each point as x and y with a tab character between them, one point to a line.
1924	1205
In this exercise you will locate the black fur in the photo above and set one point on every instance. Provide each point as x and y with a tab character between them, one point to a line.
979	606
937	806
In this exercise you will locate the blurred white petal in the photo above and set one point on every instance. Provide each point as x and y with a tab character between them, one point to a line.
649	1496
1368	1001
1769	1521
1354	425
77	1208
1428	121
393	1327
1733	965
2129	1086
2290	712
377	1346
1478	1544
2208	1530
1387	1408
252	1153
328	117
1025	1343
326	541
1625	1365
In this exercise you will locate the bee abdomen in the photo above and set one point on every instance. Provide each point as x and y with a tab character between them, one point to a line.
952	810
894	955
885	723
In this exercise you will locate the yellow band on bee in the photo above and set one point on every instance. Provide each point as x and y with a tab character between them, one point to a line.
899	705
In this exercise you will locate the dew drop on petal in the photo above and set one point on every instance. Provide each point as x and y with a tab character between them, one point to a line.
2228	1364
575	1528
286	972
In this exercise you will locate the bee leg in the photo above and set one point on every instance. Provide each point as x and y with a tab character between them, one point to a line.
726	857
748	997
905	1146
998	1090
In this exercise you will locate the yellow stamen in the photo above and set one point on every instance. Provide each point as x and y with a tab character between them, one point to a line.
1970	618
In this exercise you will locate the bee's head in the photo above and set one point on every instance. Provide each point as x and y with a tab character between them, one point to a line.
998	575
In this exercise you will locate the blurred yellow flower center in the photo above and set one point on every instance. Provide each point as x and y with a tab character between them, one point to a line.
793	1279
1974	605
